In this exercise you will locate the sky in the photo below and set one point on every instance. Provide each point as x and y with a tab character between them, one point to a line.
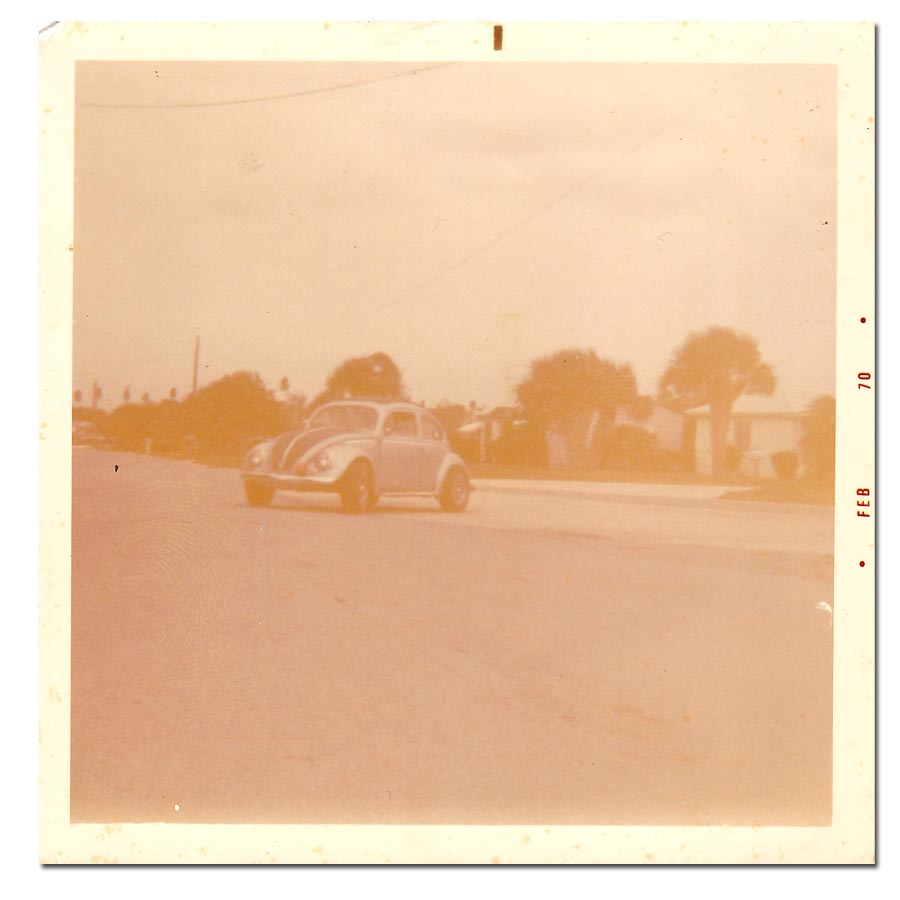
465	218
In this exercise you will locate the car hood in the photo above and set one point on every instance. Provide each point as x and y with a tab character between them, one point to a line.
290	448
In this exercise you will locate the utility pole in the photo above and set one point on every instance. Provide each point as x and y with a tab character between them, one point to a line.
196	361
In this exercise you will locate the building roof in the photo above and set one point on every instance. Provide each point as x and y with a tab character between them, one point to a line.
757	406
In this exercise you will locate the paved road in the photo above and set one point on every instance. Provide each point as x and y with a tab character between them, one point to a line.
539	658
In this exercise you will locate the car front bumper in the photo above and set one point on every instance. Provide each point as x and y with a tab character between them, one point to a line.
281	482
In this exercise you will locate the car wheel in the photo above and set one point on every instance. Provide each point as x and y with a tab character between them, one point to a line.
455	492
258	494
357	490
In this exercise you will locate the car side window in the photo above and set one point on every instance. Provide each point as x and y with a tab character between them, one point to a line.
400	424
431	430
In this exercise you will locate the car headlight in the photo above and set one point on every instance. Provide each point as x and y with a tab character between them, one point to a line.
255	457
322	461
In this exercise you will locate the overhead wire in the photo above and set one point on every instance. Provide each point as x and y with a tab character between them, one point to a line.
559	198
237	101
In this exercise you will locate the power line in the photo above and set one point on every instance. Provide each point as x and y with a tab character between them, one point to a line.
542	209
499	238
272	97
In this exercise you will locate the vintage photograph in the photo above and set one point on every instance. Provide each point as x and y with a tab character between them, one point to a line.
453	443
443	426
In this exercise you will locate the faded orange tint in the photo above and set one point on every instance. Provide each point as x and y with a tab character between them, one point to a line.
604	635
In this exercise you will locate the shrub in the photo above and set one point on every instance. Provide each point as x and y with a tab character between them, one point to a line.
223	417
817	443
785	463
629	447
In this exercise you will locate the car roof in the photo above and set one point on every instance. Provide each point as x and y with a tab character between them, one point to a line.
374	401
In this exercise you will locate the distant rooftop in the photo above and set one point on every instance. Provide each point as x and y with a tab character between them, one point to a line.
779	404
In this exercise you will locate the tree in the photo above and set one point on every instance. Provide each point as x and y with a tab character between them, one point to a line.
451	415
169	427
173	393
817	442
227	415
641	408
295	411
126	395
131	426
716	367
376	375
76	398
577	394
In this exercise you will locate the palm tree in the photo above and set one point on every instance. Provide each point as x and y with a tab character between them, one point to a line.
716	367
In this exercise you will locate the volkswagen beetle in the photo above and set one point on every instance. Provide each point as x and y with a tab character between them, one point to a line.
361	450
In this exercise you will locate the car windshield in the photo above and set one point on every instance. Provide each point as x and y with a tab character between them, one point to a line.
350	418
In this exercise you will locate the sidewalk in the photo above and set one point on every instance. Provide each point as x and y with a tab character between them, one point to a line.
599	489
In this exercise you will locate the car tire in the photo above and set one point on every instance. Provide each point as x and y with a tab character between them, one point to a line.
455	492
357	488
258	494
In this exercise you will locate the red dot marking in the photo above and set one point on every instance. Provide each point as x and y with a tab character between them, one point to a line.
863	320
862	563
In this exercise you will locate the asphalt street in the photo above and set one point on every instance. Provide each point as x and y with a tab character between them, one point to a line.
544	657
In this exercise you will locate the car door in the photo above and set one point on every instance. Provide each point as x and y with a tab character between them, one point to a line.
400	457
434	449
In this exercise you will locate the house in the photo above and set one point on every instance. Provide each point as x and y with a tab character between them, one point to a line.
502	435
758	427
666	424
486	428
